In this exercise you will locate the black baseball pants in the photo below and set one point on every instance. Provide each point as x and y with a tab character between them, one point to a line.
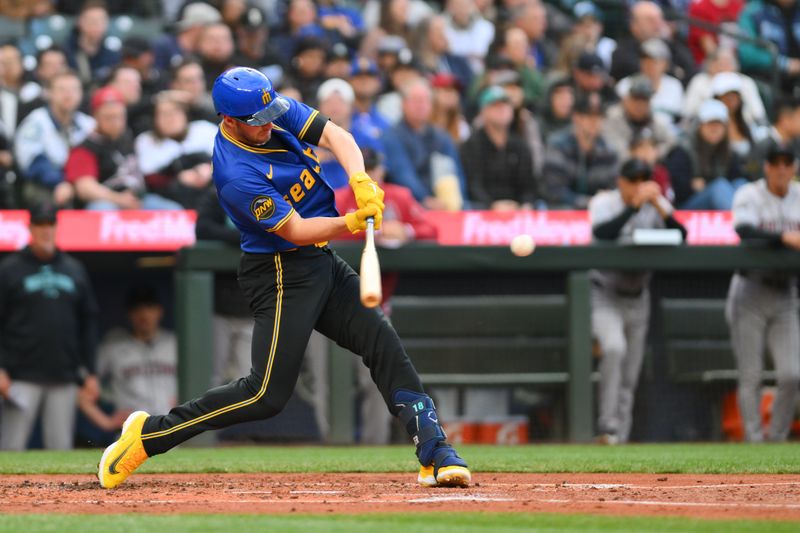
290	294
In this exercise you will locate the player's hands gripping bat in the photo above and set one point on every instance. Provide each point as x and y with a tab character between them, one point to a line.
357	220
370	272
366	191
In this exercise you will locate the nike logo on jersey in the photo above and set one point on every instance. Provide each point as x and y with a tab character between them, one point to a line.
112	468
269	174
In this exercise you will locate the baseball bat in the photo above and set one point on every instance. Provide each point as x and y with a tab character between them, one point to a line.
370	273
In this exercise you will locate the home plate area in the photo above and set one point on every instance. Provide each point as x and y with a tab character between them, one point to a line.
774	497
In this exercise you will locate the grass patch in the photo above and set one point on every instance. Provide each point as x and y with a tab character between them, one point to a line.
645	458
386	523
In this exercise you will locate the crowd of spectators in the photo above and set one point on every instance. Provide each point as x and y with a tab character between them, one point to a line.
503	104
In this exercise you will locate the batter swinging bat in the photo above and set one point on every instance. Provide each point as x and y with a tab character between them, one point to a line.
370	270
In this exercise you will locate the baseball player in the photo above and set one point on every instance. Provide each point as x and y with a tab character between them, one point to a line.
762	306
270	183
621	300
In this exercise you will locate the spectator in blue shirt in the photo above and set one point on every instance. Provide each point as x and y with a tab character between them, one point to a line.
418	153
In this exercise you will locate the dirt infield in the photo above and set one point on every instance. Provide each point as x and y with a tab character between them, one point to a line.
775	497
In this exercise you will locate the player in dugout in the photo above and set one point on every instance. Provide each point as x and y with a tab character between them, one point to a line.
270	183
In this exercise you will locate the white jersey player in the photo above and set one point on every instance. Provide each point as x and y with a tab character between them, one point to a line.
621	300
762	307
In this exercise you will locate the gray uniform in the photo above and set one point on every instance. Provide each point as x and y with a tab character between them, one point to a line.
762	311
620	314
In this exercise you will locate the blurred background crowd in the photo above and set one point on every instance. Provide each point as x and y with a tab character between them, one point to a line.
484	104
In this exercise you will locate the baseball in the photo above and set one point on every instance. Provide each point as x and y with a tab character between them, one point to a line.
522	245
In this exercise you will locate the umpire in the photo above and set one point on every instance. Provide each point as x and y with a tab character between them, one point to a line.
271	185
47	338
762	306
621	300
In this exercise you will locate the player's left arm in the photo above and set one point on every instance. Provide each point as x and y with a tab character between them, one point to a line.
341	143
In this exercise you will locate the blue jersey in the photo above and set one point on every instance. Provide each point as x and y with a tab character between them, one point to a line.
261	187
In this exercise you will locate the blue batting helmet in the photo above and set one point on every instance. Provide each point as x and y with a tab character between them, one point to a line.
248	96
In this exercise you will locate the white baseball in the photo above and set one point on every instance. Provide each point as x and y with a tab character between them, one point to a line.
522	245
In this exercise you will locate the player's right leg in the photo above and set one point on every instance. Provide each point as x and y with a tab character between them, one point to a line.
783	343
368	333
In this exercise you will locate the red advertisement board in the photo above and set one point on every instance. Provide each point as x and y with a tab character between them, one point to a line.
99	231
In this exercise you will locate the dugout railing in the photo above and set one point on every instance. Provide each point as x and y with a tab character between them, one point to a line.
196	266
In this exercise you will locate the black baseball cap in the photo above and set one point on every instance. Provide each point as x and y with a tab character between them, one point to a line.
636	170
590	62
140	296
640	88
43	213
780	151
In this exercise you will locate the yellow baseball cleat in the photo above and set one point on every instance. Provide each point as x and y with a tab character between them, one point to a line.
124	456
445	476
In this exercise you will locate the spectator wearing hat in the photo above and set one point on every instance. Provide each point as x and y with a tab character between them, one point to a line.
433	51
254	48
588	30
497	162
103	169
579	161
775	21
389	49
86	48
171	48
188	84
447	109
338	62
336	98
784	132
705	170
468	33
44	139
743	134
307	69
647	22
667	98
48	326
700	87
590	75
722	13
620	301
421	156
524	123
366	83
406	70
634	113
555	113
175	156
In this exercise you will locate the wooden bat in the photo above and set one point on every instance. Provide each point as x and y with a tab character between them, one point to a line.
371	293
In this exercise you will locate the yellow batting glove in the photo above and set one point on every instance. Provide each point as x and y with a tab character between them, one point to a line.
366	190
357	220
